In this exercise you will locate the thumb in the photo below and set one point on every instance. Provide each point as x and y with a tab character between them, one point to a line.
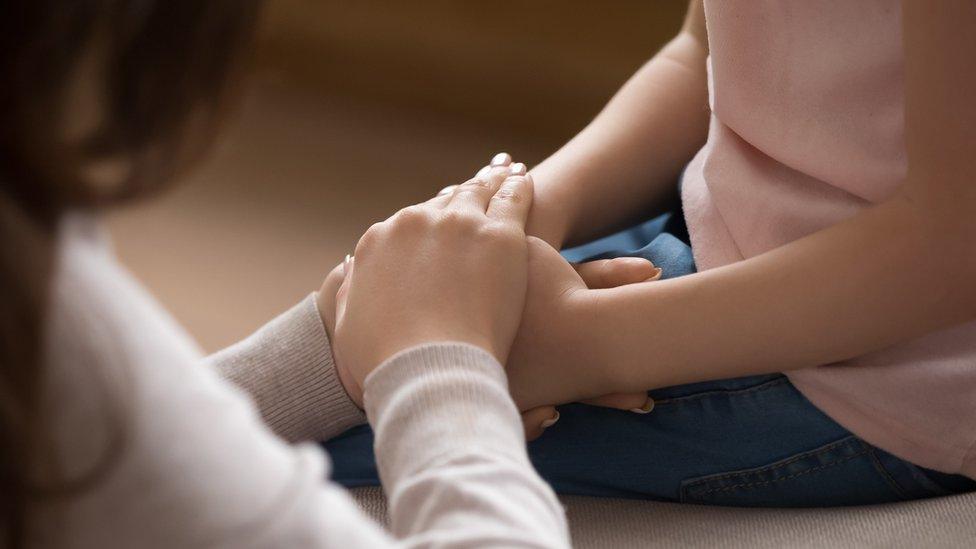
342	293
326	299
548	269
619	271
537	420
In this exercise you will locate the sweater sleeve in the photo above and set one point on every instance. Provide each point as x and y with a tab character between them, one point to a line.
287	368
449	439
451	451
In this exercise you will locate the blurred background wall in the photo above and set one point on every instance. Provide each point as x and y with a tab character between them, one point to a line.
355	108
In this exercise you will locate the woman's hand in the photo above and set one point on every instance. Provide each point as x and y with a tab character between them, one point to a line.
325	299
450	269
594	274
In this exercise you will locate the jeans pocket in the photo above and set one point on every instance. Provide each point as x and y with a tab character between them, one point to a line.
843	472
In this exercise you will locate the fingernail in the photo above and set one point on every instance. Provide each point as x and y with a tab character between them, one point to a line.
634	260
646	408
501	159
345	264
657	274
483	172
517	168
550	422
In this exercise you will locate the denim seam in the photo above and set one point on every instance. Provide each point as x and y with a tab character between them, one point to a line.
883	471
790	477
761	387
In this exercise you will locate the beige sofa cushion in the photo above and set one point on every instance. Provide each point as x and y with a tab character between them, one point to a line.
599	522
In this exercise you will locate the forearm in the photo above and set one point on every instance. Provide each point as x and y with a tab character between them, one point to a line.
287	369
625	163
894	272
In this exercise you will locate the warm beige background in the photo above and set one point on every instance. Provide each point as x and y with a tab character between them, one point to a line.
357	108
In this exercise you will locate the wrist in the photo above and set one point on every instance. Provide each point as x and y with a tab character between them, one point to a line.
421	335
553	208
611	360
597	363
549	221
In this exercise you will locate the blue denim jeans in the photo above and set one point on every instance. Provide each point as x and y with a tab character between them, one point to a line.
752	441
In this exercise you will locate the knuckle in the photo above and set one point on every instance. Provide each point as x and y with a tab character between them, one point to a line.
475	184
500	234
458	221
495	231
410	218
509	193
370	239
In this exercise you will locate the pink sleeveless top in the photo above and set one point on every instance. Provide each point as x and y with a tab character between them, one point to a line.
807	130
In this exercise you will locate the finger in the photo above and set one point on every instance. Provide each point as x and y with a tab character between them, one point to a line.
343	291
501	159
473	195
443	196
619	271
639	403
512	201
327	297
334	279
537	420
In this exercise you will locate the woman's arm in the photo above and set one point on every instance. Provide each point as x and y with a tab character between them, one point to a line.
624	164
288	370
896	271
451	453
199	469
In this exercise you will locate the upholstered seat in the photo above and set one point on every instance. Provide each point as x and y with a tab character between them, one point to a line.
599	523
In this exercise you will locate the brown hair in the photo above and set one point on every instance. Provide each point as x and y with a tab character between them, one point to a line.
155	74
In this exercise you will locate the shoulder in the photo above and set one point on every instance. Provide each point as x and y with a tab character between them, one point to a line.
125	383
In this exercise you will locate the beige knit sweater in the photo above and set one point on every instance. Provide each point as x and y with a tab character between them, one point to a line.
200	465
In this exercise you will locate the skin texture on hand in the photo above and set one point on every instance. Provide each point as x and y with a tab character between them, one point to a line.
548	362
451	269
594	274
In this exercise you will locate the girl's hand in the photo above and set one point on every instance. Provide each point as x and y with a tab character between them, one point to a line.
450	269
549	362
594	274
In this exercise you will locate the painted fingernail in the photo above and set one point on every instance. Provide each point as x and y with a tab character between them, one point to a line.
657	274
518	168
346	263
501	159
646	408
550	422
483	172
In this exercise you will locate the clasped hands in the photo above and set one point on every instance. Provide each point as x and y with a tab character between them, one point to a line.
459	267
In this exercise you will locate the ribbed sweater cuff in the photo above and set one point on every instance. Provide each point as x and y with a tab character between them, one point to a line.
287	368
437	400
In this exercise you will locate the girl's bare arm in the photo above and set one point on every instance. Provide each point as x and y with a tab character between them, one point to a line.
624	164
896	271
